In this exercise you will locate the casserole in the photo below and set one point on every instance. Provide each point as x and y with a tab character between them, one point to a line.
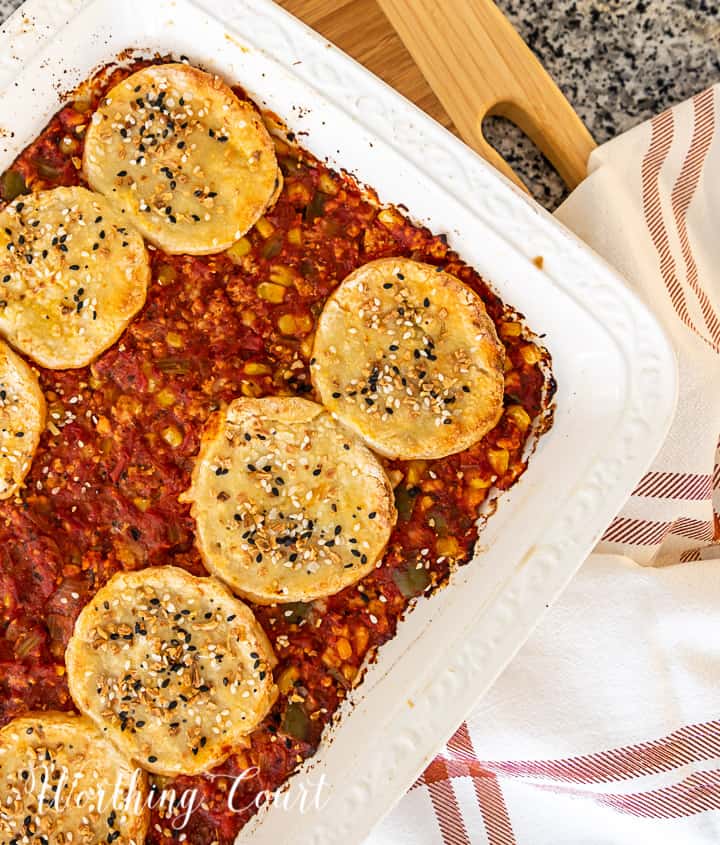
615	368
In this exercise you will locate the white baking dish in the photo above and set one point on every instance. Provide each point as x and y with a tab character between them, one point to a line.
615	369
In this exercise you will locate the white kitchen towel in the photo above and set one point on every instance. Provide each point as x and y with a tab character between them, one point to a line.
605	729
651	206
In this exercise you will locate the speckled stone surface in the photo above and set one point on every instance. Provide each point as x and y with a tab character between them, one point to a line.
618	61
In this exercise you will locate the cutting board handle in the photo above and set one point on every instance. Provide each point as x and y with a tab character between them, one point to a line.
478	65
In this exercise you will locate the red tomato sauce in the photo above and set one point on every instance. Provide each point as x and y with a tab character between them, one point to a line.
102	494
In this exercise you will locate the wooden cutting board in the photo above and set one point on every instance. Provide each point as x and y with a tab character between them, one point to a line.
373	42
469	65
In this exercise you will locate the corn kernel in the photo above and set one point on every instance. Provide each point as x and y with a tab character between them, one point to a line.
271	292
499	460
395	476
141	504
388	217
249	388
248	317
298	194
510	329
480	483
304	323
416	470
174	339
166	398
519	416
376	606
306	347
239	248
350	672
166	275
328	658
103	426
287	679
287	324
172	436
69	145
447	547
295	236
327	184
255	368
531	354
361	637
344	649
282	275
512	381
264	227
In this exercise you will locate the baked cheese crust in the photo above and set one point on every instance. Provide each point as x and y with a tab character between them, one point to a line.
63	783
289	505
22	419
73	273
191	165
172	668
407	356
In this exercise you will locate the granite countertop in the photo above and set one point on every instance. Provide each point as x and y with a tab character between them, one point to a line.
619	62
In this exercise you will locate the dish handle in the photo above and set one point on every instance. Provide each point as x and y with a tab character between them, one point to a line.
478	65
